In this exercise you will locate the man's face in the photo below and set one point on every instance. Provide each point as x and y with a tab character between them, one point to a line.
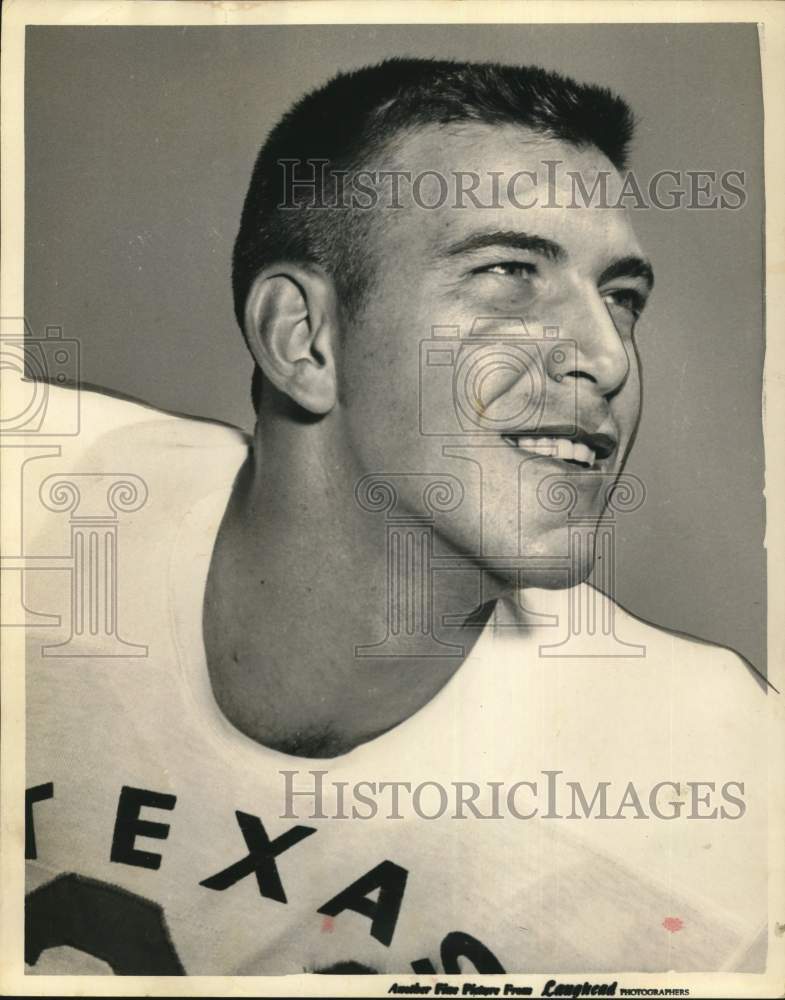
495	346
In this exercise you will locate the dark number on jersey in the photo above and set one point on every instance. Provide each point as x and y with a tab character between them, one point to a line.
126	931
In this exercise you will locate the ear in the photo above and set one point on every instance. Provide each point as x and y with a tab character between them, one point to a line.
291	325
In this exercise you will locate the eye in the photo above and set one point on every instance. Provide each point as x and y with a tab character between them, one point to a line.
509	268
627	298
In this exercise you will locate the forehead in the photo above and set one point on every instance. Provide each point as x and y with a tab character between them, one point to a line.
470	177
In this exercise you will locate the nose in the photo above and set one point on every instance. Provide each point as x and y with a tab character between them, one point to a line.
590	347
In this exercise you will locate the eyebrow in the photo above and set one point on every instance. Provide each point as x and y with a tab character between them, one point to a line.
629	267
625	267
508	238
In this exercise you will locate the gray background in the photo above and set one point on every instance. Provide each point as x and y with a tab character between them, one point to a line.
139	146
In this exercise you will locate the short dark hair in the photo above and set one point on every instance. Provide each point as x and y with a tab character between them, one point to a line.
351	118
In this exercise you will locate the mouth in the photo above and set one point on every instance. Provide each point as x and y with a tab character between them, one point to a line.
574	446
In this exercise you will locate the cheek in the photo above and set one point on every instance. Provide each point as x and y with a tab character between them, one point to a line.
380	364
381	426
382	384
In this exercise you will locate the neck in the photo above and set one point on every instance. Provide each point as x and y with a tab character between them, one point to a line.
298	606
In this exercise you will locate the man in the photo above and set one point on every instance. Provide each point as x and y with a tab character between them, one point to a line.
355	697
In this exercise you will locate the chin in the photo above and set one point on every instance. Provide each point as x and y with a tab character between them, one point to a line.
546	562
548	579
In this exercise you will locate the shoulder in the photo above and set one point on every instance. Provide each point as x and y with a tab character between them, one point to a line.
86	417
703	670
152	465
109	507
97	432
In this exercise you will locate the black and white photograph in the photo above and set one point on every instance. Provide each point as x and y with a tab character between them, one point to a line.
391	546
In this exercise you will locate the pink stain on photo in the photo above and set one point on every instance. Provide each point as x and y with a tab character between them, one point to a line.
673	924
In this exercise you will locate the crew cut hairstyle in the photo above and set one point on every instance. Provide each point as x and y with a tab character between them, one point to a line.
351	122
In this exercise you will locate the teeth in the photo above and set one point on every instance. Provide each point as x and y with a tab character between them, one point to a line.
582	453
545	445
558	448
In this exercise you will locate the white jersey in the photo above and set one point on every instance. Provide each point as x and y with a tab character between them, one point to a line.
555	807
